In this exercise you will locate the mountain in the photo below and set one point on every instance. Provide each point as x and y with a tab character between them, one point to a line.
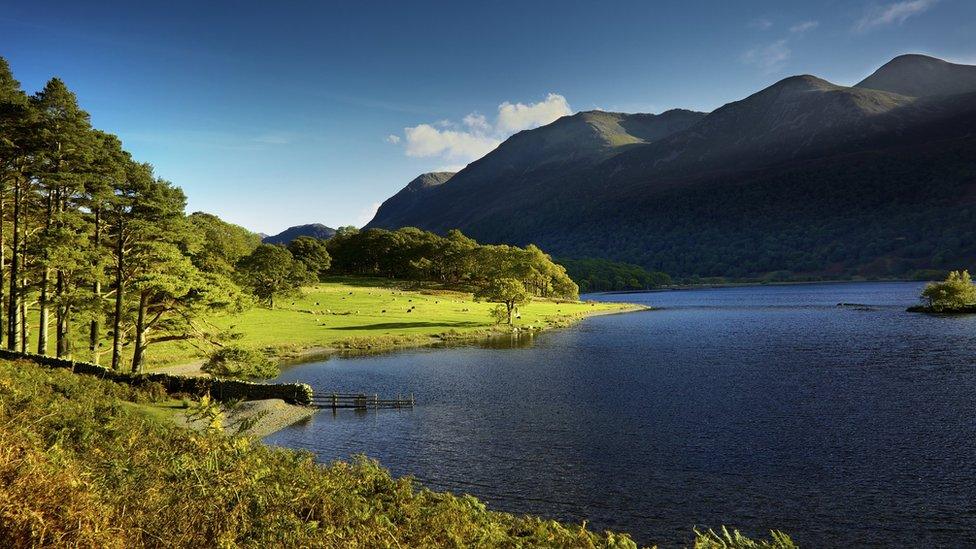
412	197
314	230
525	161
804	176
921	76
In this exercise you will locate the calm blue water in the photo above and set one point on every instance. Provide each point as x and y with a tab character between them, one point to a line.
759	407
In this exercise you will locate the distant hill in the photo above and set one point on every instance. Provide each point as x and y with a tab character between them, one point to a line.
921	76
804	177
412	197
314	230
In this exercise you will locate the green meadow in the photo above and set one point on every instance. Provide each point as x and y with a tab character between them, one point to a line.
369	314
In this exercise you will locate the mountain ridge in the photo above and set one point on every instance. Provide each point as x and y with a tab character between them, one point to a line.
314	230
580	177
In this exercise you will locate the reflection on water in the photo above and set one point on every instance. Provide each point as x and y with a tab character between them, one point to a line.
514	341
762	407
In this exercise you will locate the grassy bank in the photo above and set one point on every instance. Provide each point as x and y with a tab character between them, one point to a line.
356	313
82	464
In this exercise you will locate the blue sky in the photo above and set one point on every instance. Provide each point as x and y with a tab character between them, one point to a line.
272	114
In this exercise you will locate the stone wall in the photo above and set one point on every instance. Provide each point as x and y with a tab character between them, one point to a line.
220	389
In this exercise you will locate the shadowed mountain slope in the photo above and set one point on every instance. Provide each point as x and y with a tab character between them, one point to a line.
921	76
804	176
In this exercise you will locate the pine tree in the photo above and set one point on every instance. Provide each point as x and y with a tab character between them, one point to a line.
14	108
62	157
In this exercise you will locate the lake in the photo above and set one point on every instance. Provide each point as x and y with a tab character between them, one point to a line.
755	407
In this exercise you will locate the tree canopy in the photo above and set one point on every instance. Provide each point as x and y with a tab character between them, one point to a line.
271	271
90	236
509	292
413	254
956	292
313	252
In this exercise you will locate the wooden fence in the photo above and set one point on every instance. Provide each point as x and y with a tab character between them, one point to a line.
359	401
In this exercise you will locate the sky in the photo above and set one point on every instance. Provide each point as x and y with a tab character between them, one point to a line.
274	114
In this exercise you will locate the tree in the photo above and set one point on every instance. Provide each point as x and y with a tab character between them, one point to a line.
147	230
173	293
956	292
313	252
14	154
222	244
271	271
63	144
108	171
510	292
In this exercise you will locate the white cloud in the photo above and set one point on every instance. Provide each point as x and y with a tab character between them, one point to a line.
896	13
476	136
804	26
769	58
518	117
393	139
367	214
762	23
426	140
477	123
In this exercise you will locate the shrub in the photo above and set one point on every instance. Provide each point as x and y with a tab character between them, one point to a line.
241	363
956	292
735	540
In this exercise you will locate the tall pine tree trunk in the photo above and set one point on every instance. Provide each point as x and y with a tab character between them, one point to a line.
3	260
24	326
95	328
42	302
137	356
62	310
42	318
62	306
13	318
119	289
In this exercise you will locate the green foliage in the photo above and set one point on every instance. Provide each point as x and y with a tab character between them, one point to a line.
222	244
271	271
413	254
313	252
509	292
955	293
242	363
735	540
603	275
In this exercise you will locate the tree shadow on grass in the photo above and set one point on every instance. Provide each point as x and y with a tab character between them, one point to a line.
401	325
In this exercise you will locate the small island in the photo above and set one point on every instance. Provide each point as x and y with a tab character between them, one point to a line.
954	295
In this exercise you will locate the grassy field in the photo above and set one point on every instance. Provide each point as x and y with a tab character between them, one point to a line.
370	314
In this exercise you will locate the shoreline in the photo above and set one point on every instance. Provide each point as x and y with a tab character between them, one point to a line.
312	353
270	416
718	285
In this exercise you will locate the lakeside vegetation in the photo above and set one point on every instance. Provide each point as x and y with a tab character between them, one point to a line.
86	462
955	294
603	275
368	314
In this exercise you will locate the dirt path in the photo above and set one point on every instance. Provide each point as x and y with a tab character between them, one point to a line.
259	418
189	369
